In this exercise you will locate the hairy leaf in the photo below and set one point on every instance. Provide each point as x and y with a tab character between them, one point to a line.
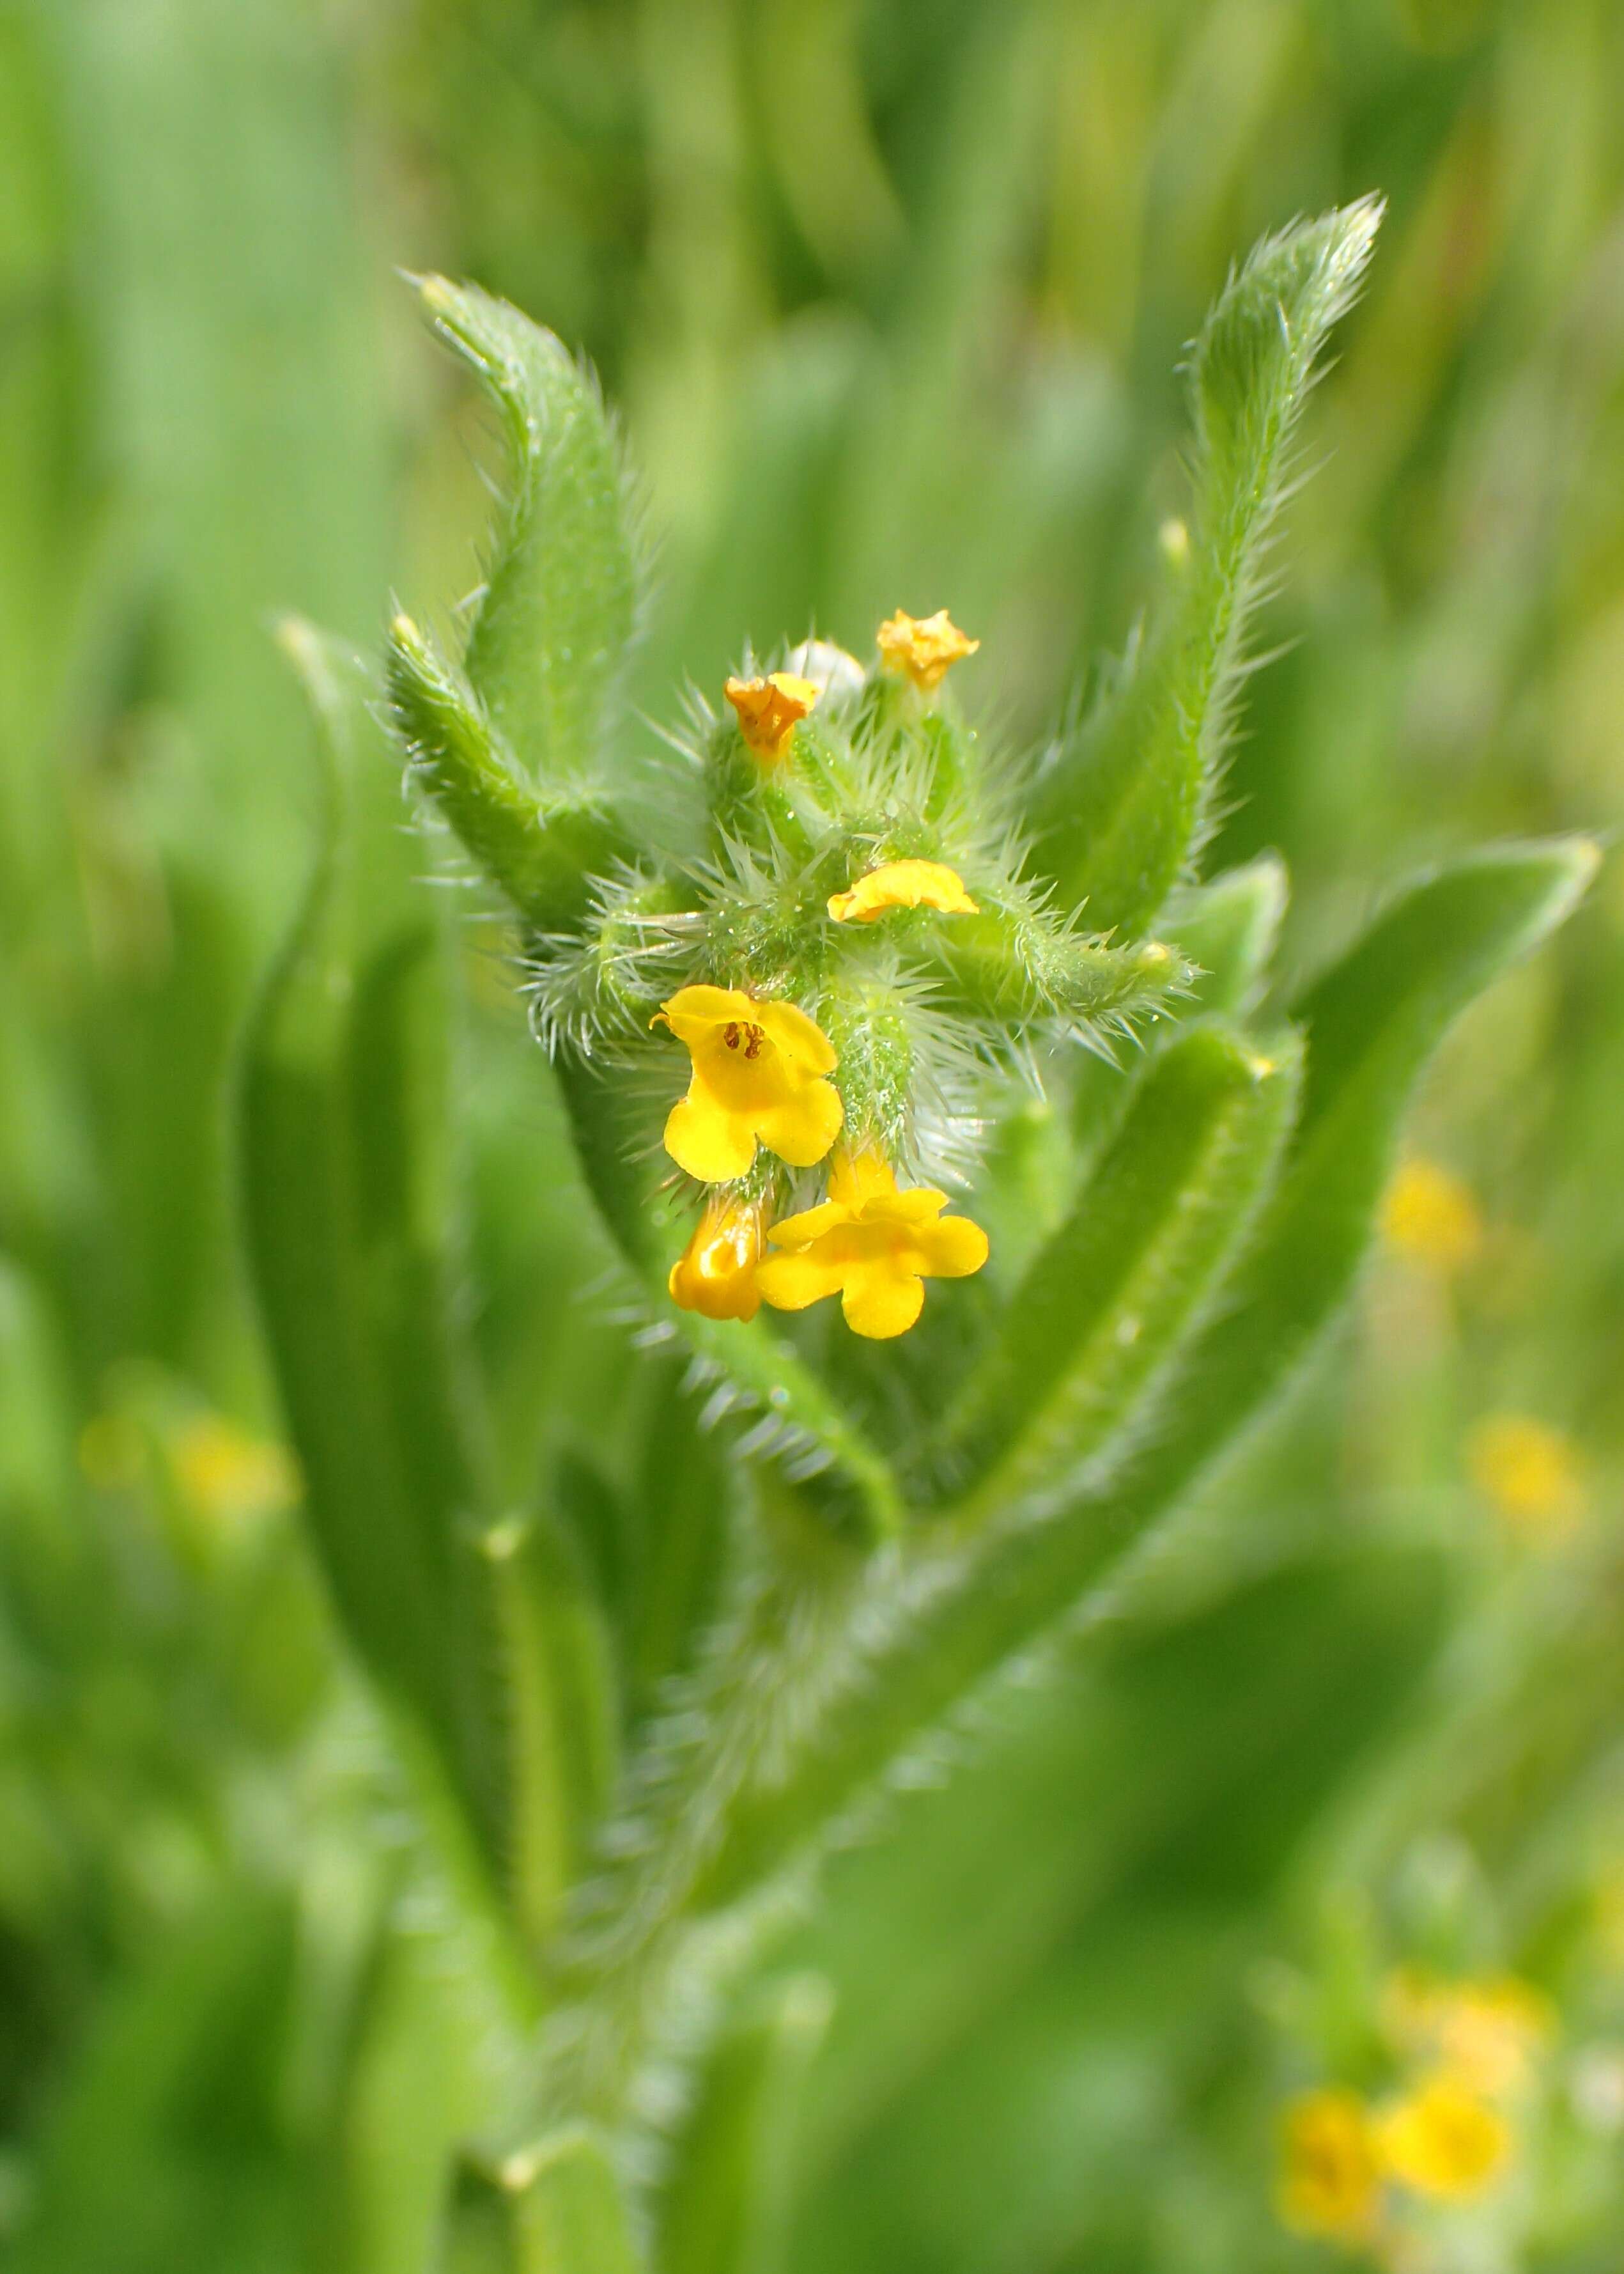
542	849
1128	792
1109	1300
345	1211
548	650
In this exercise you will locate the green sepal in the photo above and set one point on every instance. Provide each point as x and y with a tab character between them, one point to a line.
543	850
548	650
1017	967
1126	797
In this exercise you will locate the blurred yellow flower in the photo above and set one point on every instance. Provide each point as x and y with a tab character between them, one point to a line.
922	648
1330	2181
716	1272
1485	2034
769	710
871	1245
1430	1215
759	1073
1528	1471
1442	2140
903	885
225	1472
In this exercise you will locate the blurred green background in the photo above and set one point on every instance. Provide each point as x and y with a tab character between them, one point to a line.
892	295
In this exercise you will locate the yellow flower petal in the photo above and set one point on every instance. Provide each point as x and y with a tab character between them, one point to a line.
922	648
799	1038
1529	1471
789	1282
1430	1215
1485	2034
709	1142
796	1232
716	1272
803	1128
692	1012
874	1245
1330	2182
1443	2141
759	1073
769	710
859	1175
953	1248
881	1301
903	885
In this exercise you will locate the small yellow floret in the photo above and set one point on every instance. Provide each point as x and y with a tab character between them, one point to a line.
1486	2034
225	1472
761	1074
716	1272
1430	1215
1330	2183
1443	2141
922	648
903	885
1528	1471
872	1246
769	710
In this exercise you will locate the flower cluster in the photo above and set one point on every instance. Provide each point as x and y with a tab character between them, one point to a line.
845	933
762	1081
1466	2053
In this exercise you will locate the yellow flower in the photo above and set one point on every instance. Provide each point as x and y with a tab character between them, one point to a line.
903	885
1330	2183
716	1272
760	1072
769	710
1443	2141
1529	1471
871	1245
1430	1216
224	1472
1485	2034
922	648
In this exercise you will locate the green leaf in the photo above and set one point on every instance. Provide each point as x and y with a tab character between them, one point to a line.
170	2145
542	849
953	1620
724	2211
1229	928
345	1207
548	650
554	2208
1127	798
562	1716
1114	1295
1372	1021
